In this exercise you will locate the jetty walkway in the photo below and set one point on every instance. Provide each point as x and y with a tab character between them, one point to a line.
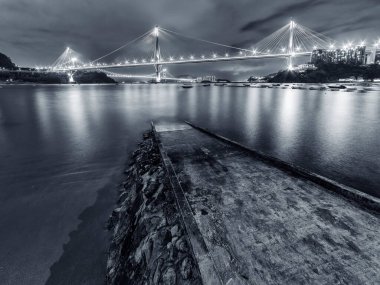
252	221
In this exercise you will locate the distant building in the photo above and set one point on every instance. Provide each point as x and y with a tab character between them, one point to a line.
210	78
355	55
304	67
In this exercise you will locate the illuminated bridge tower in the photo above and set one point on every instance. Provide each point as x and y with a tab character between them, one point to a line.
291	45
157	55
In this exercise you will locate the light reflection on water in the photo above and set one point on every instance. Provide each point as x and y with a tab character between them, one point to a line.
334	128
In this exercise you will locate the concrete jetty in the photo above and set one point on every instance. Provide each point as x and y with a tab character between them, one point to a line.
253	221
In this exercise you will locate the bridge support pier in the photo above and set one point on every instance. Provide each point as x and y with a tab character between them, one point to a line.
158	68
70	74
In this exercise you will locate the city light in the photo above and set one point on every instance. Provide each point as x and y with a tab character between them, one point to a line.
290	67
331	46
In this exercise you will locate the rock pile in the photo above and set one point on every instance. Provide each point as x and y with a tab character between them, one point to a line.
149	244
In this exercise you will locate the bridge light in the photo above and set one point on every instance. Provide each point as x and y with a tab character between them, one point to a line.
191	57
155	31
134	61
283	49
268	51
143	60
290	67
181	58
74	59
203	57
240	52
226	55
214	55
314	47
254	51
331	46
126	62
171	58
362	43
298	48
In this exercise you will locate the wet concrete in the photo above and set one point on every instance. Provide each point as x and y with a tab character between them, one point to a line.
263	225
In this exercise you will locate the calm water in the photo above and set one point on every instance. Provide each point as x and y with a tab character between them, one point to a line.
63	148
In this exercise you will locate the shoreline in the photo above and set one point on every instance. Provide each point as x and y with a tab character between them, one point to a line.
149	243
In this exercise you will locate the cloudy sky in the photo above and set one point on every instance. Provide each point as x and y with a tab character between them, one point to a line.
35	32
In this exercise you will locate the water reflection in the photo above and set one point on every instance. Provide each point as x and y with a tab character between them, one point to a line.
325	131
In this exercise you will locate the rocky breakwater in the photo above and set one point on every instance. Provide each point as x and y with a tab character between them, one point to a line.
149	244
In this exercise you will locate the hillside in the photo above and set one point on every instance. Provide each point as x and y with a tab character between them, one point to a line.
6	62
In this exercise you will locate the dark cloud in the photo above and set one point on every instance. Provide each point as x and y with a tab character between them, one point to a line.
283	12
36	32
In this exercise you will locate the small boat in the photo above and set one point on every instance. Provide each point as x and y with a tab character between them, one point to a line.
350	89
220	84
235	85
336	87
206	84
276	85
187	85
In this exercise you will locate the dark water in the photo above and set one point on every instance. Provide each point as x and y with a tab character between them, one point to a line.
63	148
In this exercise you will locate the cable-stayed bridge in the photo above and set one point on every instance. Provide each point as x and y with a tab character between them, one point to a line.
290	41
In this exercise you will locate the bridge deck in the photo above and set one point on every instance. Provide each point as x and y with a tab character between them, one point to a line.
262	225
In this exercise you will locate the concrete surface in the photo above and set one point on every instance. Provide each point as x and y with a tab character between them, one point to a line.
262	225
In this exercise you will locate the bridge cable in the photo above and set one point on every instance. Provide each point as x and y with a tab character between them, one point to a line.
206	41
123	46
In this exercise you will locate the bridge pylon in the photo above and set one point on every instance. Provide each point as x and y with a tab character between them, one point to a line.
157	55
291	45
